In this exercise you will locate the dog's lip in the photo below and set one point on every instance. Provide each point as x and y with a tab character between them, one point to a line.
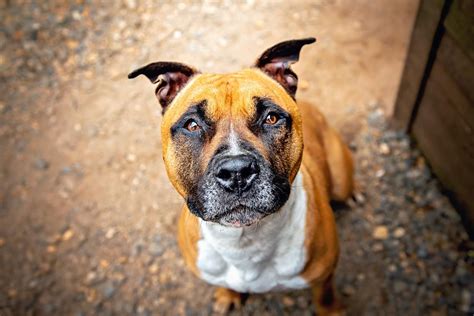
239	224
221	218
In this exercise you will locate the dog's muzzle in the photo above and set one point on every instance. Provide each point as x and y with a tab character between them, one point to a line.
238	190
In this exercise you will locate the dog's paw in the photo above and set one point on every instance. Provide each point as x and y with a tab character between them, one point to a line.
224	300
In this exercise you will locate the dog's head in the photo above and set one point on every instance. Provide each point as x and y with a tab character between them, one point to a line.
232	143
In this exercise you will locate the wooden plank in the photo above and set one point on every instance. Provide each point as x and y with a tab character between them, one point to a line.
460	25
444	129
457	64
427	20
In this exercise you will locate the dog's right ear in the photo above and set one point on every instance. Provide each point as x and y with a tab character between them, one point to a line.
170	76
276	62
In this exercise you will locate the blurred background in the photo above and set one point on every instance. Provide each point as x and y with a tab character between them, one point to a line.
87	215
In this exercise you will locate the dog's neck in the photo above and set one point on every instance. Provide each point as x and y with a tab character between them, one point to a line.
267	231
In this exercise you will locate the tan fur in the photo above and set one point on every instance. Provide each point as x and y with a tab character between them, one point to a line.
188	236
326	165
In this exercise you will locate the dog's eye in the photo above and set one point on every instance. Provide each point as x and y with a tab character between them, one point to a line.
272	119
192	126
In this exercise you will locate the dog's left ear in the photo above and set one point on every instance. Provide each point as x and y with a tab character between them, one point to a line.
276	62
171	77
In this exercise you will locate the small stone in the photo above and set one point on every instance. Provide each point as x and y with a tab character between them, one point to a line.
288	301
72	44
380	173
104	263
122	24
380	232
404	264
110	233
76	15
51	249
465	300
177	34
108	289
92	278
119	277
153	268
68	234
223	41
142	311
399	232
131	4
137	248
384	149
12	293
392	268
361	277
359	197
41	164
63	194
90	295
399	286
131	157
156	247
377	247
348	290
375	117
422	252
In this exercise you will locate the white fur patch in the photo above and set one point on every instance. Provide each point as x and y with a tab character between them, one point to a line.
234	147
263	257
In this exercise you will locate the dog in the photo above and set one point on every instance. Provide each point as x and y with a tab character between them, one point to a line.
257	172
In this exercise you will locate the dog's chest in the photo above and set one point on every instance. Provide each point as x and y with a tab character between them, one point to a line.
269	256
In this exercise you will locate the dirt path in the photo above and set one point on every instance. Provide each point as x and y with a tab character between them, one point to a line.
87	217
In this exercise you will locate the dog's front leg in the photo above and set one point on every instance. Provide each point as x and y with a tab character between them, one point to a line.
325	298
224	299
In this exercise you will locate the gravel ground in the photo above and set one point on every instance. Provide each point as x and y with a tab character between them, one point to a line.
87	216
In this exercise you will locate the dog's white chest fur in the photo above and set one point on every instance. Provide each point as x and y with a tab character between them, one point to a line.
260	258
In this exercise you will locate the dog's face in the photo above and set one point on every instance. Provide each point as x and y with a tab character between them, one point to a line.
232	143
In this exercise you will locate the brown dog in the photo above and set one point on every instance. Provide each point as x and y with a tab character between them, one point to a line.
257	216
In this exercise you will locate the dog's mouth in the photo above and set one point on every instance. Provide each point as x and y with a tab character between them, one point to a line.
240	216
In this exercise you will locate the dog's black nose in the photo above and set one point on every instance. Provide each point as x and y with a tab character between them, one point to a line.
236	173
